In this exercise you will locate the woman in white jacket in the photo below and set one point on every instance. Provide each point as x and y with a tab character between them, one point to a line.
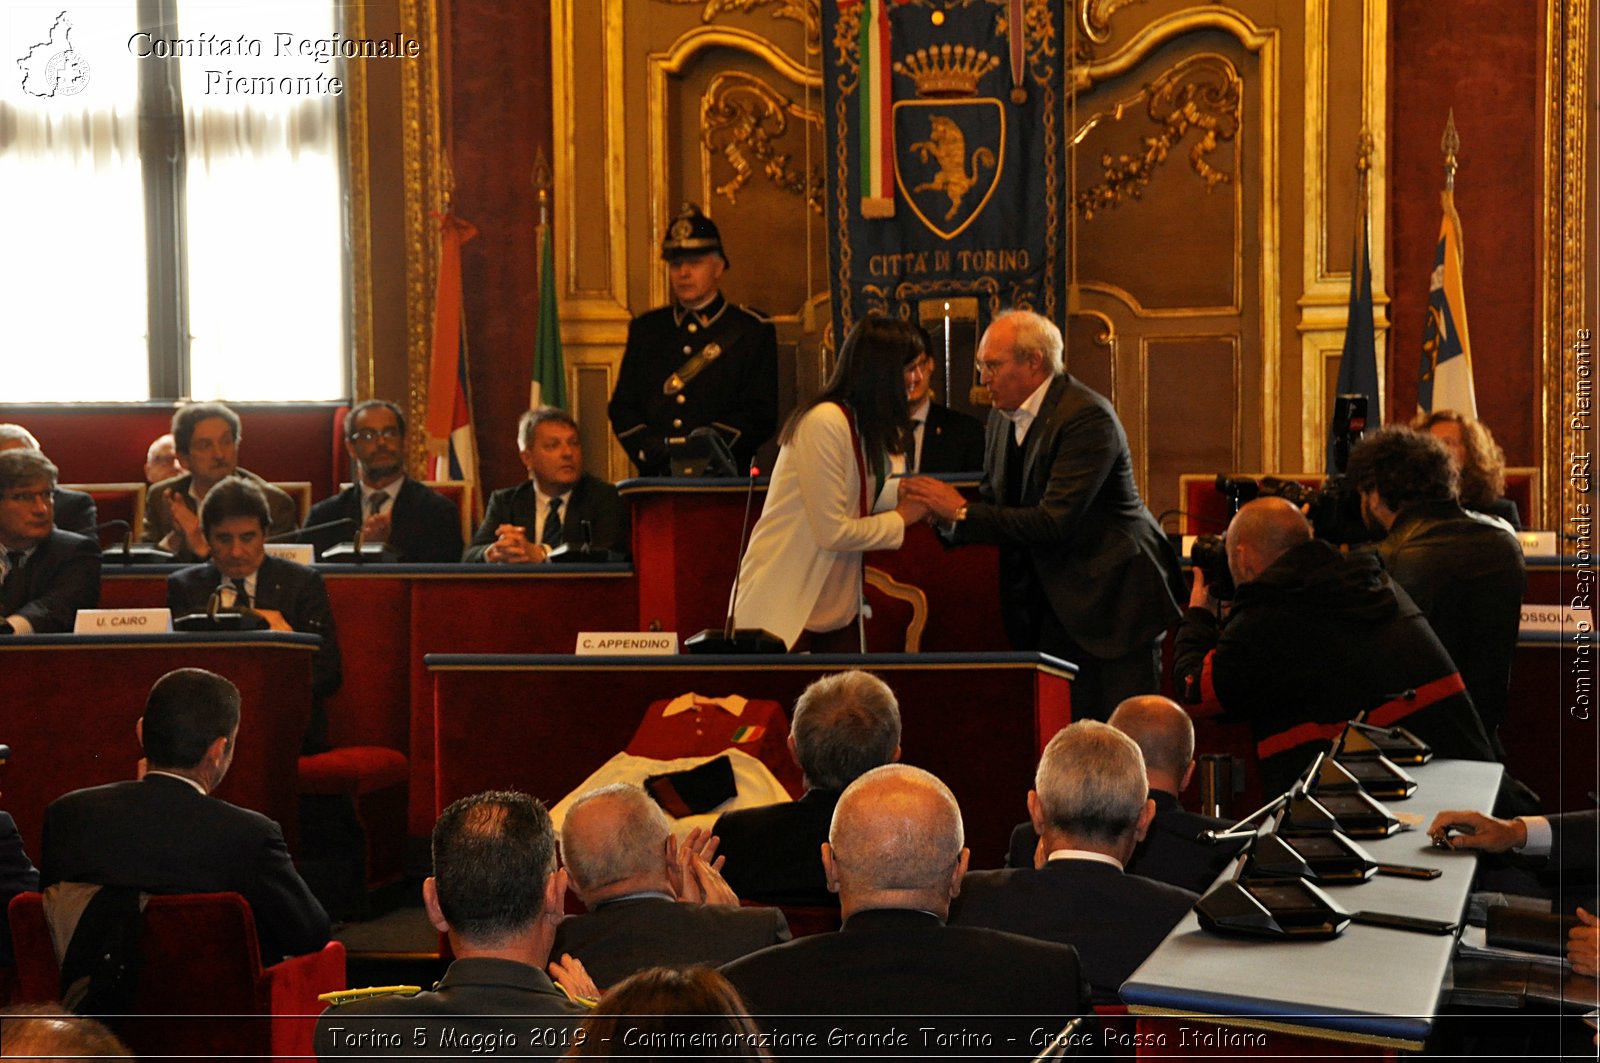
833	495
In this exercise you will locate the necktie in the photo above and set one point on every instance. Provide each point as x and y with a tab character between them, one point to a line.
241	597
552	524
375	503
13	566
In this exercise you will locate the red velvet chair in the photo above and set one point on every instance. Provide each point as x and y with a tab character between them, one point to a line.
202	991
121	501
375	779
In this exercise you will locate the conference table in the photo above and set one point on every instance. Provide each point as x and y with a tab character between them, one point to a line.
1371	990
73	701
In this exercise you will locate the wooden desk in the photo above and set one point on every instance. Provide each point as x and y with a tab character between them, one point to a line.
686	547
83	694
1370	989
543	724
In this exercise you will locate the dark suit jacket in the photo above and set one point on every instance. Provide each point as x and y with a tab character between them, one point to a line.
896	961
61	577
592	500
293	590
475	998
951	441
285	514
618	938
76	512
1113	919
1171	851
161	835
1081	534
1573	840
774	853
17	875
426	526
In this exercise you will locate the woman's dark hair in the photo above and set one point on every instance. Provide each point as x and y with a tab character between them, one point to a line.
870	380
650	1010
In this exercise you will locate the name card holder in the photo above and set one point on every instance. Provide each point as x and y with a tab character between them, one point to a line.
627	644
1554	620
1538	543
299	553
122	621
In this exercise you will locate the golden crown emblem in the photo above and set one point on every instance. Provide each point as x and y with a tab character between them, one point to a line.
947	70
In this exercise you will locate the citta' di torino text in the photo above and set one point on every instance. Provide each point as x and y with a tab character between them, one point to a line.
278	46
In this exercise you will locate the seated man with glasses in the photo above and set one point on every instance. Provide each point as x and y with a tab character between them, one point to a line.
945	440
46	574
384	503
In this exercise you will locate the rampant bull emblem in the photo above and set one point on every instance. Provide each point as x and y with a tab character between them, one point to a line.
948	145
962	181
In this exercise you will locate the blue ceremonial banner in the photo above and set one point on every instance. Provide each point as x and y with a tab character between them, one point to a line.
1445	382
949	164
1358	363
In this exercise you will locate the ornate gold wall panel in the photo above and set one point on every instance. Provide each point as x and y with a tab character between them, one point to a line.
1177	127
1571	276
1346	60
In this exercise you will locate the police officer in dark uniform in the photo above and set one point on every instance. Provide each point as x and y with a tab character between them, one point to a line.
700	361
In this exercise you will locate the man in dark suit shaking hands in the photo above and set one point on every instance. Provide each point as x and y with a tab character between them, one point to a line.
1085	573
234	518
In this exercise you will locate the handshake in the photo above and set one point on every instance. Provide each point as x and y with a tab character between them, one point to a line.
925	498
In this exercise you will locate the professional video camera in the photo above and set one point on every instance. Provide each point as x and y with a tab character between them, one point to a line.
1334	509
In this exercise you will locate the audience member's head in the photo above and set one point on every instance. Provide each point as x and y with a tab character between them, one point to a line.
663	1006
375	439
1019	351
161	460
1396	466
16	437
1260	533
1477	457
234	517
495	885
207	437
1164	734
896	841
48	1033
1090	791
550	448
27	499
190	725
844	724
614	842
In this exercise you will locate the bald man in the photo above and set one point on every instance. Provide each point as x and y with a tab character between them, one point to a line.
1090	805
1172	850
896	856
1312	638
645	907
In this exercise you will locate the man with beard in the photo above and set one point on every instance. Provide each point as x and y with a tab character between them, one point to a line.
387	505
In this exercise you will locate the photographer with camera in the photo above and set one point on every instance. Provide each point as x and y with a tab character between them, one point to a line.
1465	571
1311	638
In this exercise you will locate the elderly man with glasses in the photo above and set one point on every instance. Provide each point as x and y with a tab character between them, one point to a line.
46	574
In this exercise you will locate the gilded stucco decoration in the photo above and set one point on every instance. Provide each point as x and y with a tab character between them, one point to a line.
742	118
1094	17
1205	93
806	12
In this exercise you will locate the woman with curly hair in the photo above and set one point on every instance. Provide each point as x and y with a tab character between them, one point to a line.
1479	460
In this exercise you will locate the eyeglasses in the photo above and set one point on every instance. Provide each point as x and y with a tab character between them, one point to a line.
47	496
367	435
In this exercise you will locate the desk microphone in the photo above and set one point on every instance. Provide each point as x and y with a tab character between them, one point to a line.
727	639
130	553
294	536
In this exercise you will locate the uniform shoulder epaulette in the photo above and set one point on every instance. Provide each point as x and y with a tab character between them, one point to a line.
345	996
757	314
